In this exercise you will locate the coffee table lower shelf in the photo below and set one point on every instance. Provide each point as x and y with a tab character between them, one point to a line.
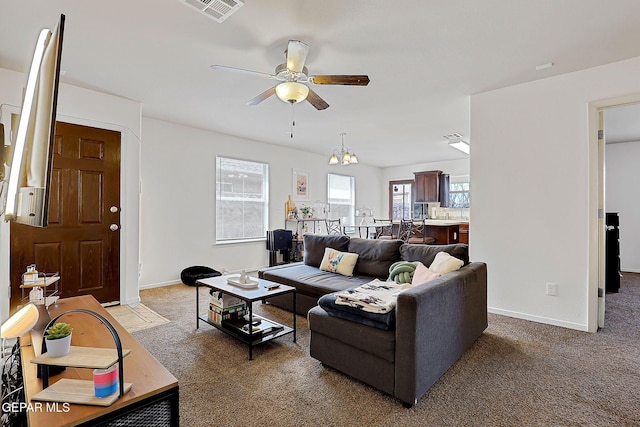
259	337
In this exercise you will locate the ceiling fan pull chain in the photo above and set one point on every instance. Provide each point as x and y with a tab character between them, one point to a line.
293	118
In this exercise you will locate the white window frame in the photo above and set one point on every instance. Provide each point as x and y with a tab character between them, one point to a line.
350	217
453	192
241	195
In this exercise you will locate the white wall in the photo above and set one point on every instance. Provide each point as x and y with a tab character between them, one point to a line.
533	168
86	107
178	197
621	166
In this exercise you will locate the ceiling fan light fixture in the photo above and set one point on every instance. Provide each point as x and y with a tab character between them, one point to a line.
292	92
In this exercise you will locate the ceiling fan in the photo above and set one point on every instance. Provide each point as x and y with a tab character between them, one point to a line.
294	79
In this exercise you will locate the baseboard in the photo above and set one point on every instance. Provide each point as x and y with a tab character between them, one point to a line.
159	284
133	301
249	270
538	319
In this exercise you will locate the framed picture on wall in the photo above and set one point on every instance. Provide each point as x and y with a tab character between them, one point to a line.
300	182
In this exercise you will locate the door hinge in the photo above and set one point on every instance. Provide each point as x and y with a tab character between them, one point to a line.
601	134
600	292
600	213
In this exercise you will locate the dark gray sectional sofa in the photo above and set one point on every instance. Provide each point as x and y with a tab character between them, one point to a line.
434	322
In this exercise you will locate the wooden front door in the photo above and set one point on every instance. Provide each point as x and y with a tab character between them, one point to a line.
84	206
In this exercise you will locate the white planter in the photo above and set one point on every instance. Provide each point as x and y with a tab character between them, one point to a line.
59	347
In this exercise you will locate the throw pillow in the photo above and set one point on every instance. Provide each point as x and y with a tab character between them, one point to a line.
444	263
422	274
338	262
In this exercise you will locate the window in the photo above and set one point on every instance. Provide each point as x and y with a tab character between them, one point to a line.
459	195
242	195
400	199
341	196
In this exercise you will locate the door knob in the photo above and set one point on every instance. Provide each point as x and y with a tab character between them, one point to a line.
113	227
113	209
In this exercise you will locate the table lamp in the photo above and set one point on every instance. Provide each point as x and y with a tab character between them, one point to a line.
20	323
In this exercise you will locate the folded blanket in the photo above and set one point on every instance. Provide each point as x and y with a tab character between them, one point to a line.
375	297
384	321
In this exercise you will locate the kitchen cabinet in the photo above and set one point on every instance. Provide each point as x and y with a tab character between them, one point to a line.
444	232
427	186
463	236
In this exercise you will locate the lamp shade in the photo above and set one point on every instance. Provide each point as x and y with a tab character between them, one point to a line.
292	92
346	158
333	160
20	323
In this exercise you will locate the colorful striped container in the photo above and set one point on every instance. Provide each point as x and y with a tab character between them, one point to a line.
105	381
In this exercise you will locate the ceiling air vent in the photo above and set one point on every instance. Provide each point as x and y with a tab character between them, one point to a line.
218	10
454	135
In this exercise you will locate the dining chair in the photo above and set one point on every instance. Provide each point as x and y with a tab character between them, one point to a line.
414	231
333	226
384	229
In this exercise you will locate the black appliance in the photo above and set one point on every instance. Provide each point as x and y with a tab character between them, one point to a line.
612	253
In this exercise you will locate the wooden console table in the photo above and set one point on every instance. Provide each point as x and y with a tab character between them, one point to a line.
153	396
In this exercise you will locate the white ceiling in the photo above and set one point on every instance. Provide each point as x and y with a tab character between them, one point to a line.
424	58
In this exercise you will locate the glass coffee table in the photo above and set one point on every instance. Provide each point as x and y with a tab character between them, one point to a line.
262	329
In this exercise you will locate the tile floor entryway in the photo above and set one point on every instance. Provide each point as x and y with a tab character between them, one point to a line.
136	318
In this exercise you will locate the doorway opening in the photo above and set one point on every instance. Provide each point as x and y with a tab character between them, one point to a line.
615	150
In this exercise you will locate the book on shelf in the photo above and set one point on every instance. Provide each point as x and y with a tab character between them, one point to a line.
223	300
260	325
217	314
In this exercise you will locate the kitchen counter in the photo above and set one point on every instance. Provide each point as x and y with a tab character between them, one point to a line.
445	222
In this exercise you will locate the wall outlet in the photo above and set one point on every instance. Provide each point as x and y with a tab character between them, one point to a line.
552	289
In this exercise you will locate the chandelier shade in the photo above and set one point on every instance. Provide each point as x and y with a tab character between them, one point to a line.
343	156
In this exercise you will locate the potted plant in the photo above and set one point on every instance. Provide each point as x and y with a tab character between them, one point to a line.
307	211
58	339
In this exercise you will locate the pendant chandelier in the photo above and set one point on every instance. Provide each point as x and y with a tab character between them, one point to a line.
343	156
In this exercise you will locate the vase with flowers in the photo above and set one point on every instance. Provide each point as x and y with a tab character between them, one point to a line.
307	211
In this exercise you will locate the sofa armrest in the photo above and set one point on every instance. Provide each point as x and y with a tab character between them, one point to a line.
435	323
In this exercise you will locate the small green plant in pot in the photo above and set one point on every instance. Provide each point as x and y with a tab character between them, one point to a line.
58	339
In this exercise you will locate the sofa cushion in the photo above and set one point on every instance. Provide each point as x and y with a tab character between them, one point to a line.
384	321
312	281
338	262
444	263
375	256
427	253
314	245
423	274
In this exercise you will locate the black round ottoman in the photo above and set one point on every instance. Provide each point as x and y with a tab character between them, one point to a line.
190	274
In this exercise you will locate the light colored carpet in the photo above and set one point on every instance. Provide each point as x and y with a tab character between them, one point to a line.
518	373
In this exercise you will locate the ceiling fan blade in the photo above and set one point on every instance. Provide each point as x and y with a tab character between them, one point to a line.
264	95
315	100
354	80
242	70
296	55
